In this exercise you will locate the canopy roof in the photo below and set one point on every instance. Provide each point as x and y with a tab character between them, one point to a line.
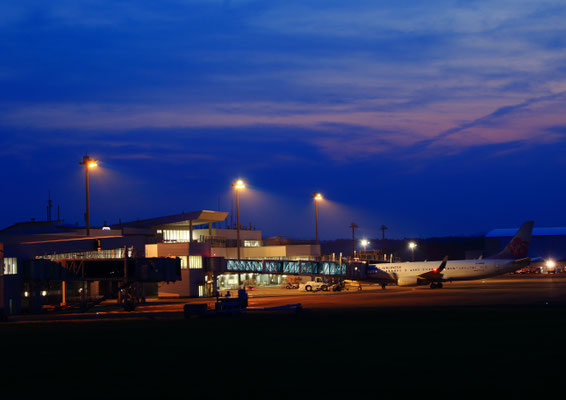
179	221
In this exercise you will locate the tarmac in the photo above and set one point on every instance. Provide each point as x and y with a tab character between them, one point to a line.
505	291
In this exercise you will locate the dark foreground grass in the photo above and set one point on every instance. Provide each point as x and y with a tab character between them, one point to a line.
392	353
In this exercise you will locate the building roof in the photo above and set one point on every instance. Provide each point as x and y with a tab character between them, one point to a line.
37	227
536	232
178	221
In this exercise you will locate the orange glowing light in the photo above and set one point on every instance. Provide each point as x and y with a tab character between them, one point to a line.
239	185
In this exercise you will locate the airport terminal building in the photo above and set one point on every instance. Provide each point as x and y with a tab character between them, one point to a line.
37	257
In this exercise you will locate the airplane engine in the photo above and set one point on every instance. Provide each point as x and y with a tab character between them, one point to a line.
408	281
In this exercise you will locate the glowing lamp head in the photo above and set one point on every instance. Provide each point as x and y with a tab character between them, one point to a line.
550	264
239	185
317	196
89	162
412	245
365	242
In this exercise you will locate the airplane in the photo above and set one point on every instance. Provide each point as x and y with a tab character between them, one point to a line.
433	273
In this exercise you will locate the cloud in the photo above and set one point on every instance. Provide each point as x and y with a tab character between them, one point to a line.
362	78
342	131
531	120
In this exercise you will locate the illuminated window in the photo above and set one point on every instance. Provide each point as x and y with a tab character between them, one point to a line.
252	243
112	253
10	266
171	236
183	262
195	262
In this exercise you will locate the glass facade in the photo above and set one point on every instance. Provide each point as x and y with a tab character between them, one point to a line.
182	236
230	281
173	236
287	267
113	253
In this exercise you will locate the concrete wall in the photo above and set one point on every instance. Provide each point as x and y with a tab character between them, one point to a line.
298	250
190	278
186	287
177	249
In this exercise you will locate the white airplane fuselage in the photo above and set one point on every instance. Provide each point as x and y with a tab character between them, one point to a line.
408	273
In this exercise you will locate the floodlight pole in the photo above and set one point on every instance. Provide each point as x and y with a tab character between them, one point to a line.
383	229
238	222
316	220
316	198
86	162
354	226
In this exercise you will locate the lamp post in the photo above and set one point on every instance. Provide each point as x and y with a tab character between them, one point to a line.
412	246
353	226
383	229
238	185
88	163
317	197
364	244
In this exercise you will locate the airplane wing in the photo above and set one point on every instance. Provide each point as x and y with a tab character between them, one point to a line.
436	274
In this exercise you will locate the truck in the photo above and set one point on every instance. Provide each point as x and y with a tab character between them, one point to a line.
315	285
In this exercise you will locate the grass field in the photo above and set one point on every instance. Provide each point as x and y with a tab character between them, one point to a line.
392	353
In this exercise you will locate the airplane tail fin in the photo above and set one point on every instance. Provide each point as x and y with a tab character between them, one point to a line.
518	247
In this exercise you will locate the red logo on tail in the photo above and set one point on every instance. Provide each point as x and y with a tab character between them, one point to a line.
518	247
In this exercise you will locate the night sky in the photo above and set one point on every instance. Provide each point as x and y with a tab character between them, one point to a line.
434	118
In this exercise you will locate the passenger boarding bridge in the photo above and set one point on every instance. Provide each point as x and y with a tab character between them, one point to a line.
279	267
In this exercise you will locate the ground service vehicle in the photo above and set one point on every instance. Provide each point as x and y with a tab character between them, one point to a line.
312	286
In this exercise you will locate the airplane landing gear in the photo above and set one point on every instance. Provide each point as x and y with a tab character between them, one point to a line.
436	285
383	286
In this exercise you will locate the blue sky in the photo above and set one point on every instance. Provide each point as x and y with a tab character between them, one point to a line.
433	118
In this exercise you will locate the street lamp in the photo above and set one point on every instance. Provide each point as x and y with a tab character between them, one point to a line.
364	243
353	226
412	246
238	185
88	163
317	197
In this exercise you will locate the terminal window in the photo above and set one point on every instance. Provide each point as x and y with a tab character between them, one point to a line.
10	266
191	262
172	236
195	262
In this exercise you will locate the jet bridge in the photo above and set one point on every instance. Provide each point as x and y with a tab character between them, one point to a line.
131	269
279	267
30	283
